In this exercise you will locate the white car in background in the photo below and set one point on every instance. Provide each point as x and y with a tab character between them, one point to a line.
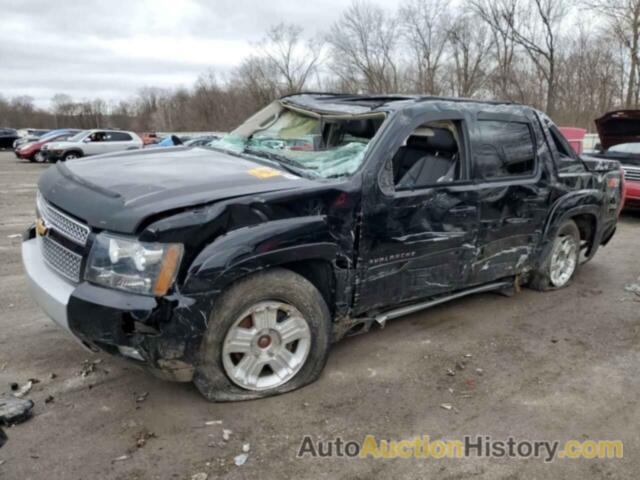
93	142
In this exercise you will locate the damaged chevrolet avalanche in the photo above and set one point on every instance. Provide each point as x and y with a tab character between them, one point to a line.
236	265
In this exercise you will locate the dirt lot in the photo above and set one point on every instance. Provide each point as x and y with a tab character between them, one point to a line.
561	365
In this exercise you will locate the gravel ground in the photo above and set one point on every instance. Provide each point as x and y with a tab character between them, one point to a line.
559	365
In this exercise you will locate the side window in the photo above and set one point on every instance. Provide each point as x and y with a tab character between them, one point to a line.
118	137
97	137
502	149
567	161
429	156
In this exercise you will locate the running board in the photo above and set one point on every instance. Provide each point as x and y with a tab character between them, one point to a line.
400	312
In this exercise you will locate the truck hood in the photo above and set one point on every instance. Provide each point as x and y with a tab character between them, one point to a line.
620	126
118	192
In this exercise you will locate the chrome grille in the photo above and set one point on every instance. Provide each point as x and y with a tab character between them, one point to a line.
64	224
61	259
631	173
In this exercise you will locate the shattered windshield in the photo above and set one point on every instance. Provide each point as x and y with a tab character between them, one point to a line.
306	143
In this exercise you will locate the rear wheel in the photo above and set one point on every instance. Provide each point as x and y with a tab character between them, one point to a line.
70	156
268	334
563	260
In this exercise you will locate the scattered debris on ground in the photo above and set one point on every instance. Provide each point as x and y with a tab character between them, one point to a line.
142	397
446	406
23	390
213	422
633	287
143	437
241	459
480	371
49	399
121	458
200	476
14	410
89	367
246	447
451	372
226	434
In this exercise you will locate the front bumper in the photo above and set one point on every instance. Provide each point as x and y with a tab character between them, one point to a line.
49	289
162	334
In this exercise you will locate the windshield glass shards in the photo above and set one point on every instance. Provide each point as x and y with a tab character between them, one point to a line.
309	144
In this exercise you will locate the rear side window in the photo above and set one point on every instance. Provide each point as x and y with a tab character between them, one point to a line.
502	149
118	137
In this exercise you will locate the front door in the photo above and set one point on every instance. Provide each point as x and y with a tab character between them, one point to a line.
419	229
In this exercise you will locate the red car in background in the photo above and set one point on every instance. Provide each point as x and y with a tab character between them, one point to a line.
33	151
575	137
619	133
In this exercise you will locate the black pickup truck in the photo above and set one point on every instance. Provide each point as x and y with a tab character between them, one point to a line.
237	264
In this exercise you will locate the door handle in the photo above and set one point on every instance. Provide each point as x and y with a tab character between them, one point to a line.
463	209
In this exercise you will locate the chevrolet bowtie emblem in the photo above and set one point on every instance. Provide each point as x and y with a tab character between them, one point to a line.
41	227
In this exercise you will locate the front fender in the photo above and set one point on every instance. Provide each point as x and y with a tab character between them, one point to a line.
250	249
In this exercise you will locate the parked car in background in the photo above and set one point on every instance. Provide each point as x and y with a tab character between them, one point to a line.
619	133
93	142
26	135
575	137
150	138
7	137
33	151
238	269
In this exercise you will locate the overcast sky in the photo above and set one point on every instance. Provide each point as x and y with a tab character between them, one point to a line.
111	48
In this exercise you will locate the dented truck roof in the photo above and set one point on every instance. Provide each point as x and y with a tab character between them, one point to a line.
355	104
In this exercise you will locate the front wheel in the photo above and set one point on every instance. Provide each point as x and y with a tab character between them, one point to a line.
39	157
268	334
70	156
563	260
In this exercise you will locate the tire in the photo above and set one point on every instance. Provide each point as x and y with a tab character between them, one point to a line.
38	157
71	156
286	293
562	261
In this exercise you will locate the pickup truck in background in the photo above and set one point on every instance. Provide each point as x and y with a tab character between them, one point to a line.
238	269
619	133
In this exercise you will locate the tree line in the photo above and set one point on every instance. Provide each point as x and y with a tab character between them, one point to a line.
573	61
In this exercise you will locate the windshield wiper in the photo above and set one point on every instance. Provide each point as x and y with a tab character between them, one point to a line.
281	160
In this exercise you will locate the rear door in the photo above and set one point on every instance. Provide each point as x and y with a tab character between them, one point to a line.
117	141
511	170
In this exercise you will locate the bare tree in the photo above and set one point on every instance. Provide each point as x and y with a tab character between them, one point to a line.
293	59
363	44
470	45
533	25
426	25
624	24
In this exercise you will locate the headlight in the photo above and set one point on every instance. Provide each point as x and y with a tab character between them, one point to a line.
127	264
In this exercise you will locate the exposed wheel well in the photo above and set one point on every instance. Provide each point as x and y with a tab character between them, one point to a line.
587	225
320	274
